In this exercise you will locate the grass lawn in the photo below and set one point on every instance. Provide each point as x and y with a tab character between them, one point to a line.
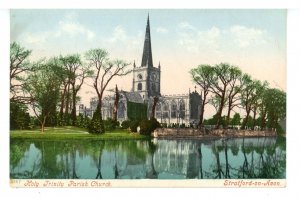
70	132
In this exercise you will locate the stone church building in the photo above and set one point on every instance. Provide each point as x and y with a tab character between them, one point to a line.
146	84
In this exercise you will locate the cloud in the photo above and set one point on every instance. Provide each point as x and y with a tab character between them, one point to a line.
244	36
73	29
162	30
186	25
216	40
37	38
66	28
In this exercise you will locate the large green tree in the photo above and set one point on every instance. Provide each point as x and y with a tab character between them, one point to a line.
224	74
19	66
43	86
77	72
104	71
202	76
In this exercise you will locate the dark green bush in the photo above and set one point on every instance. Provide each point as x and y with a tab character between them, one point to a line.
133	125
110	124
148	126
125	124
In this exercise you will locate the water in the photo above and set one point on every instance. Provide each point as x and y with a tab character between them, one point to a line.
155	159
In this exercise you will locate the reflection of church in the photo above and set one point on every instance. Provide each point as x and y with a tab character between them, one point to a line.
146	80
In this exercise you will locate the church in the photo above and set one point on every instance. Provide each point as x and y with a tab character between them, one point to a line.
182	109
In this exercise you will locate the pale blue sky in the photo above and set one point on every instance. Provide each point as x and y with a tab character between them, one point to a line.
254	40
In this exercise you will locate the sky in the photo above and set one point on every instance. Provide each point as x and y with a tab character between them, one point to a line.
254	40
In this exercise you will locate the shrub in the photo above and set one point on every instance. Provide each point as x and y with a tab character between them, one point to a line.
133	125
148	126
125	124
110	124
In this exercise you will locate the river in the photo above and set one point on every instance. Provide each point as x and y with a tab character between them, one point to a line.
263	157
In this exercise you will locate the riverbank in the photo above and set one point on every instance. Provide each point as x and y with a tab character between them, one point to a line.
69	132
216	133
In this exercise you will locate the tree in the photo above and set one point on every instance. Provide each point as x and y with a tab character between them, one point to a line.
249	96
19	65
76	73
105	71
19	116
219	83
234	89
236	120
43	86
115	109
275	106
202	76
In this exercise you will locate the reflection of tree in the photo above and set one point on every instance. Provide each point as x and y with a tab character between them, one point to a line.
227	175
17	152
101	147
218	169
200	160
152	174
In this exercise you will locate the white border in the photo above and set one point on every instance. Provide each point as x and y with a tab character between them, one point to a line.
293	71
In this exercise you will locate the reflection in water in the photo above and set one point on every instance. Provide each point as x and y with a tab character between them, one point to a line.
156	159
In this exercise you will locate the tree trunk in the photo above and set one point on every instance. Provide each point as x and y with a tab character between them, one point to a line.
246	119
68	100
219	115
102	130
228	115
254	117
73	113
155	100
62	103
263	121
115	110
43	124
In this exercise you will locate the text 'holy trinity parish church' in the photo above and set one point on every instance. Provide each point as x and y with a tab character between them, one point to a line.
137	103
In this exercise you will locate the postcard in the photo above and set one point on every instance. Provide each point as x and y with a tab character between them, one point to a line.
148	98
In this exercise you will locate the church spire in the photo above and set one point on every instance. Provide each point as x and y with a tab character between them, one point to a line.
147	52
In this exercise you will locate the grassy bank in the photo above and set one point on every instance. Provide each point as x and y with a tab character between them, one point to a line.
70	132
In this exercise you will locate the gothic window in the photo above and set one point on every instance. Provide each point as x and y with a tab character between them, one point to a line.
181	109
165	110
173	109
121	110
158	110
140	86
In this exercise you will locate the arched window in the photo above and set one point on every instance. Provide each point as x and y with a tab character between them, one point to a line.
153	87
165	110
181	109
173	109
140	86
158	110
121	110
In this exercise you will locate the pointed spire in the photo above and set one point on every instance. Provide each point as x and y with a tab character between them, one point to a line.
134	64
147	52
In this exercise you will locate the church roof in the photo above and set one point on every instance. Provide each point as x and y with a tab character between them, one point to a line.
147	52
133	96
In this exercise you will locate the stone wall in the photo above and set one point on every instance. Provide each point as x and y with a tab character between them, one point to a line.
190	132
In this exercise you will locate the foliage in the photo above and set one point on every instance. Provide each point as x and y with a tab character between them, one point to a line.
110	124
148	126
136	111
19	116
43	86
82	121
125	124
236	120
19	65
96	126
133	125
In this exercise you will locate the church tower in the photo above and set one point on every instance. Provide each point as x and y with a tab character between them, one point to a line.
146	78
